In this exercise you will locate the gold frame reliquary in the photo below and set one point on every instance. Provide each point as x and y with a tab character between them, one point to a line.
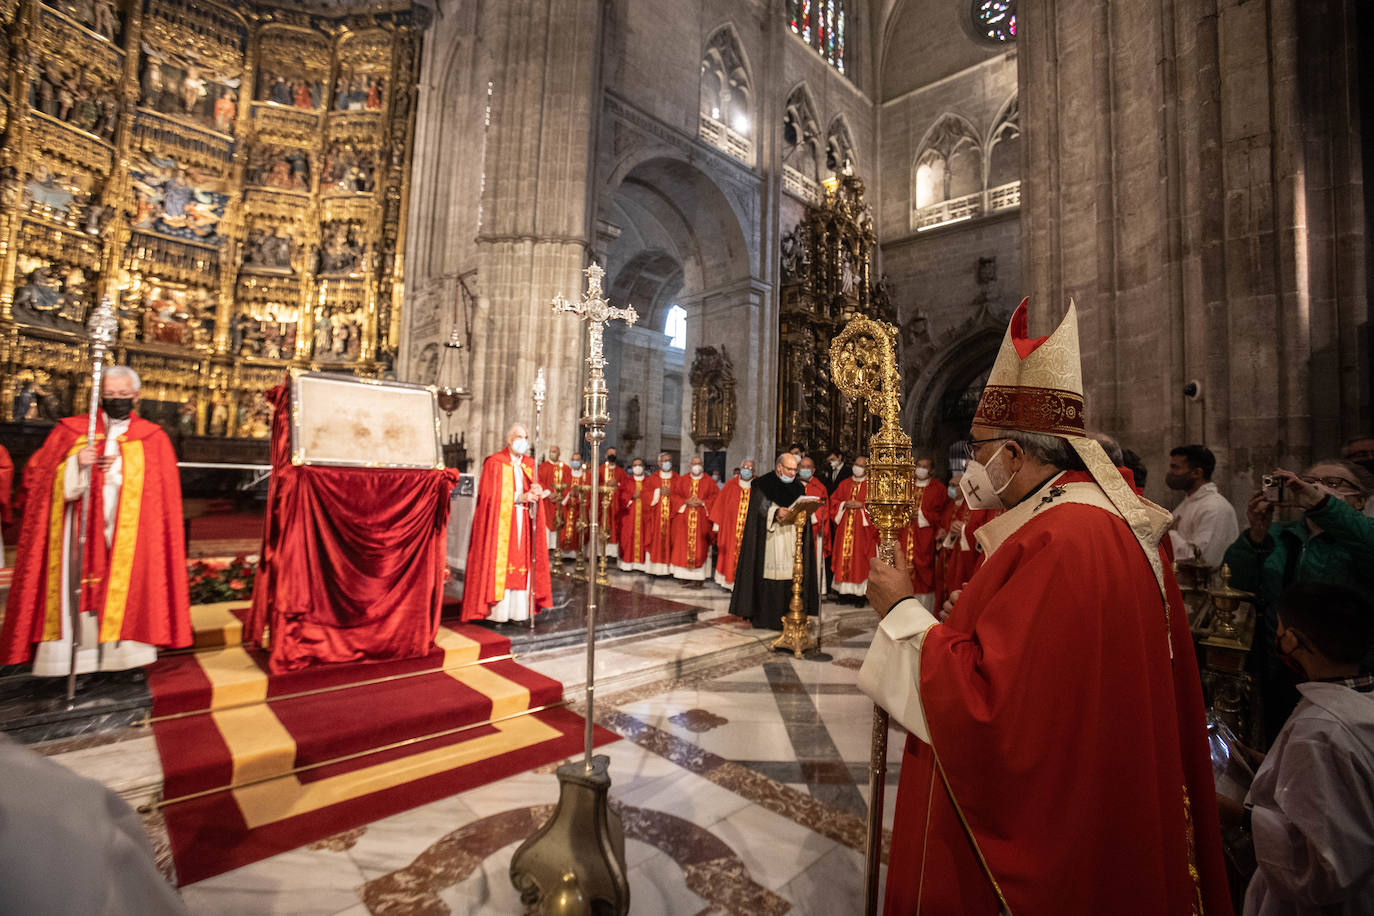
344	421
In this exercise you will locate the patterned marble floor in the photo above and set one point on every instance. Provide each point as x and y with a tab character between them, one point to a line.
743	787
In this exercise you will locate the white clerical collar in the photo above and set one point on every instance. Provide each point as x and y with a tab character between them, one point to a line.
111	423
665	474
696	476
745	483
921	483
576	472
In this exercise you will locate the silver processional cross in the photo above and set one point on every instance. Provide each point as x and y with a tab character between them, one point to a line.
596	311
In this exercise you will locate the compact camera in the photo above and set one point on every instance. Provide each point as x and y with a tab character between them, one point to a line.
1273	488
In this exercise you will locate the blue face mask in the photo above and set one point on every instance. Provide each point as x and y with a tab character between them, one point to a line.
952	490
804	473
745	473
576	465
786	478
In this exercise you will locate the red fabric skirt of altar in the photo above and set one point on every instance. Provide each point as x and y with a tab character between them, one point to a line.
352	565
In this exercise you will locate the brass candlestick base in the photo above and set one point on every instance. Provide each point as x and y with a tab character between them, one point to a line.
796	626
575	863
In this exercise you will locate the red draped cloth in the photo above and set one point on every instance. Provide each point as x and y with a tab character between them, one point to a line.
353	561
6	486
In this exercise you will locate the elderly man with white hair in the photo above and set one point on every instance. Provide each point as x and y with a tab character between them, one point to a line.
133	576
507	573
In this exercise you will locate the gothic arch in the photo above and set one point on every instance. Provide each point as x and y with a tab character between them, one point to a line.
948	165
839	146
1003	148
959	358
801	133
727	88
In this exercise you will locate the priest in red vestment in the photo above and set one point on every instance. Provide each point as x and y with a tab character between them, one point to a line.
728	515
553	479
658	521
820	521
928	499
507	574
693	496
134	598
855	540
572	533
631	510
1058	759
959	555
612	476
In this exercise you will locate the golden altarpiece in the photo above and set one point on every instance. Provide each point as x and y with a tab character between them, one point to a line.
234	175
827	279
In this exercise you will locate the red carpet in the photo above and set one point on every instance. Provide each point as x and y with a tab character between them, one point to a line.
256	764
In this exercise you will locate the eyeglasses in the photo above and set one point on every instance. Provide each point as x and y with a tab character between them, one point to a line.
1334	483
971	445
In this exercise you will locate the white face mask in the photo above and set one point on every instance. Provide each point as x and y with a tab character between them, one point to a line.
837	464
979	490
520	446
638	470
923	473
859	472
665	465
696	470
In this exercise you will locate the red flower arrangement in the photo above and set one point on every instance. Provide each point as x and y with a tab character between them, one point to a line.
221	580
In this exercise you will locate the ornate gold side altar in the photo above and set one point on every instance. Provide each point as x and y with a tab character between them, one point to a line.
235	175
827	267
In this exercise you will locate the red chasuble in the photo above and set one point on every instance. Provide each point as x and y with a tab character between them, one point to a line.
631	511
553	477
611	479
658	522
572	535
728	514
956	564
820	522
1064	735
500	551
137	584
691	535
929	502
855	539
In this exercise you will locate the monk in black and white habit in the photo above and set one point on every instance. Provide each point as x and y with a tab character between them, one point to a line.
763	580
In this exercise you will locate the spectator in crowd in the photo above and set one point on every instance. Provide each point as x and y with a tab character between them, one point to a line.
1332	541
1360	450
1129	459
1310	809
1204	522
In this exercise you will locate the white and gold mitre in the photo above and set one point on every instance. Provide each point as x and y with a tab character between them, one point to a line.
1036	385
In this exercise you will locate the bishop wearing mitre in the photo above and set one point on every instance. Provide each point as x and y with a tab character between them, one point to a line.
507	574
692	498
728	515
1058	758
133	592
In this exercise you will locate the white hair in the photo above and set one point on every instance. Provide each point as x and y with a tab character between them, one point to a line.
514	426
124	372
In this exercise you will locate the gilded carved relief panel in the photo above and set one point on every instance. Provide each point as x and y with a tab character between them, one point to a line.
234	175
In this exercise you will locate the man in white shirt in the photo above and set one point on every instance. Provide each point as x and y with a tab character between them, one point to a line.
1205	522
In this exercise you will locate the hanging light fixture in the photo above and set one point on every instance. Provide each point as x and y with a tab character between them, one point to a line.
452	381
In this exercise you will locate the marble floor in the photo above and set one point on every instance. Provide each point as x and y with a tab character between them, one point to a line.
741	777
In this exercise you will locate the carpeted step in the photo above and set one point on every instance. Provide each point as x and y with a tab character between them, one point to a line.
236	746
233	675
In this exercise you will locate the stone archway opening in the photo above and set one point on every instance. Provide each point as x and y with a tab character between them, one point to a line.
674	249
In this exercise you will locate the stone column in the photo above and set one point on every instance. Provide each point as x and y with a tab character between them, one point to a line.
535	223
1192	183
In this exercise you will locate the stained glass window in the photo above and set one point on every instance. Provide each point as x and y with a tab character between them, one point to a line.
995	19
821	24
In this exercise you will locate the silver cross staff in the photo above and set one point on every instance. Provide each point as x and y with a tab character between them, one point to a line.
596	311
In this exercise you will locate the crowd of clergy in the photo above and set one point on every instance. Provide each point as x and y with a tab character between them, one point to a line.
662	522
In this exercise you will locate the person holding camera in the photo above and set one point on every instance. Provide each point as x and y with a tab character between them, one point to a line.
1310	808
1332	541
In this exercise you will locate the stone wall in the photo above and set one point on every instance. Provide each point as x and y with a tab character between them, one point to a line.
1193	182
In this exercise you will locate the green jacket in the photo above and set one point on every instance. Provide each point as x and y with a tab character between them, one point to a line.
1342	553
